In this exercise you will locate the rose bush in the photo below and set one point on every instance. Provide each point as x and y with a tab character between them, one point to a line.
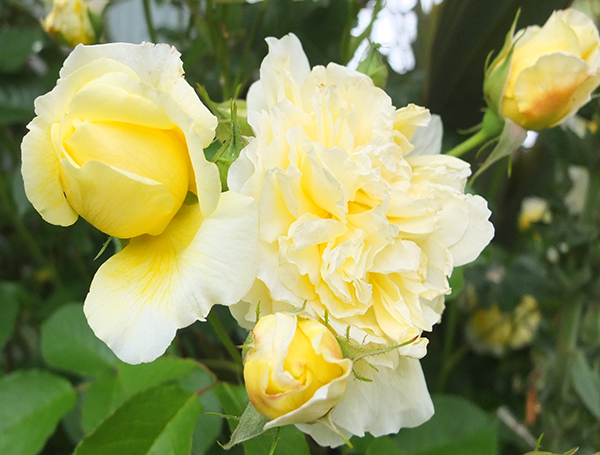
119	141
294	369
356	227
544	75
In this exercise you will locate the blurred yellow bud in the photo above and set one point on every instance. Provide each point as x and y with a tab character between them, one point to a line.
492	331
294	370
70	20
576	197
534	210
544	75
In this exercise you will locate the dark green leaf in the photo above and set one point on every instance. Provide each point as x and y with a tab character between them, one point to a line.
31	405
587	384
68	343
458	427
154	422
15	46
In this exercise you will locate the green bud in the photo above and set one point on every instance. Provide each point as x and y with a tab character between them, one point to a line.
231	148
374	67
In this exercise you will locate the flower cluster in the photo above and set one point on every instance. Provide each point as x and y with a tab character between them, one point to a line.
357	228
341	210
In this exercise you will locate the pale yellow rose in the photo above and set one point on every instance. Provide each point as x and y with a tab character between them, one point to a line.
553	70
294	370
119	141
534	210
493	331
70	20
356	226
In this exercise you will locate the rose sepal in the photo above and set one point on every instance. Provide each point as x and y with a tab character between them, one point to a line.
497	72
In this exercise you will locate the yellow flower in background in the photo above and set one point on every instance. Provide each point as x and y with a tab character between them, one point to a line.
70	20
294	370
534	210
552	71
354	223
119	141
493	331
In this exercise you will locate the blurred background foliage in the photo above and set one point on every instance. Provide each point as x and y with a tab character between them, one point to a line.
502	372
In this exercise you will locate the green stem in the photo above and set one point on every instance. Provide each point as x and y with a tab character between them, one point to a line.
216	324
275	441
249	40
149	22
477	139
354	43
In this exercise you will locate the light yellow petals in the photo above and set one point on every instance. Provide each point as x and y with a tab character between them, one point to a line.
547	92
102	195
41	174
157	284
156	154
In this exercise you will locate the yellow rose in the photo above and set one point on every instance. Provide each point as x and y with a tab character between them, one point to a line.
357	224
119	141
551	73
294	370
492	331
70	20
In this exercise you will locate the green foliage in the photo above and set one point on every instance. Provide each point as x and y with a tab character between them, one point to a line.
69	344
61	388
157	421
32	403
457	427
9	308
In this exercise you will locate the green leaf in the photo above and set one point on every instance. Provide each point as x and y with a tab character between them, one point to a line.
586	384
250	425
208	427
68	343
9	308
31	405
136	378
510	140
157	421
15	46
112	387
458	427
292	441
101	399
383	445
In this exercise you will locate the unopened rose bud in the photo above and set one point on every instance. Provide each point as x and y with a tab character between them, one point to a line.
70	20
544	75
294	370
